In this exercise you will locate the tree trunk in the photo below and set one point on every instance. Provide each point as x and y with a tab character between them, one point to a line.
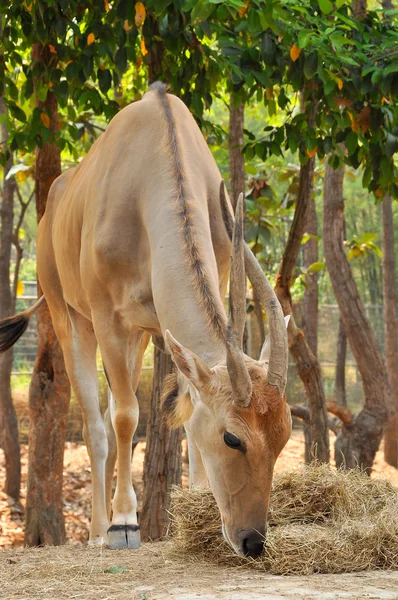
307	364
235	145
237	164
49	391
162	467
311	291
359	9
339	386
364	433
390	330
311	302
9	440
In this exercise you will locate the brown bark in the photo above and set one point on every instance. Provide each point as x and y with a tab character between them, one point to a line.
311	291
237	163
49	391
310	302
8	421
303	413
155	56
162	467
359	9
390	330
307	364
235	145
15	240
363	435
339	385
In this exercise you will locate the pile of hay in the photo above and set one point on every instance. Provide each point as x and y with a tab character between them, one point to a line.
321	521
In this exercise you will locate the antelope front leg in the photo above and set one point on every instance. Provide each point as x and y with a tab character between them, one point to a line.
121	353
124	530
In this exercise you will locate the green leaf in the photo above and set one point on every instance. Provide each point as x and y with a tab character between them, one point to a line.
386	172
121	59
310	236
326	6
271	107
351	142
316	266
338	39
71	71
260	150
390	69
201	11
367	175
251	169
348	21
161	5
268	49
354	253
303	38
368	237
197	104
262	78
310	65
275	149
391	145
256	248
17	112
375	249
115	569
104	80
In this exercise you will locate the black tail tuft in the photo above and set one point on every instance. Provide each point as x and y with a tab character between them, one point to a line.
11	330
160	87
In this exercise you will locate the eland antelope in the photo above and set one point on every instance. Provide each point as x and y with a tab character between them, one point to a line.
136	242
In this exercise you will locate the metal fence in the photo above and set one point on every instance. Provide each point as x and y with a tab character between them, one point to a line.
25	353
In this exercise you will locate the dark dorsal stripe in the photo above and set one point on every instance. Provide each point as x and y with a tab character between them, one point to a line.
199	276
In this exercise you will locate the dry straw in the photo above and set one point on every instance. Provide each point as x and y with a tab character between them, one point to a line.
321	521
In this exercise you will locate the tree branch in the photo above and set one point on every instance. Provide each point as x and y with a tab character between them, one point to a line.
303	413
342	412
15	241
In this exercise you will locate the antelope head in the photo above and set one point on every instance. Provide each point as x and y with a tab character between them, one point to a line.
237	414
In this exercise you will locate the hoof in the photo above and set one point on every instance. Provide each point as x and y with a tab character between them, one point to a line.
121	537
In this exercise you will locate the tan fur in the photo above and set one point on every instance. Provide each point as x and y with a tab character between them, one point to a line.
215	317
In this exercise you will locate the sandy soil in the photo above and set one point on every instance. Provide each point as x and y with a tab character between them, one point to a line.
78	572
69	572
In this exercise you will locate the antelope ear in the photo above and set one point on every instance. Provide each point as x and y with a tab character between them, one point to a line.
266	349
188	363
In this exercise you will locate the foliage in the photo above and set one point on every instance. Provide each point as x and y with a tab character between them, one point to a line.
270	50
362	246
346	68
89	46
267	51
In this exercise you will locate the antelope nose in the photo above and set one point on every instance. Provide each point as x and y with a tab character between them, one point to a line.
253	543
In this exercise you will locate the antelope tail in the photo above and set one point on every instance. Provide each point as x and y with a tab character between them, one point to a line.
12	328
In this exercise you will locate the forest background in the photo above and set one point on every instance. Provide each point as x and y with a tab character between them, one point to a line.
298	103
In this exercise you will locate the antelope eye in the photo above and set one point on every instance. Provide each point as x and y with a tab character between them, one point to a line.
231	440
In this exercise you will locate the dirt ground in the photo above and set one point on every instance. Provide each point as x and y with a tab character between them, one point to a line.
81	573
151	573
